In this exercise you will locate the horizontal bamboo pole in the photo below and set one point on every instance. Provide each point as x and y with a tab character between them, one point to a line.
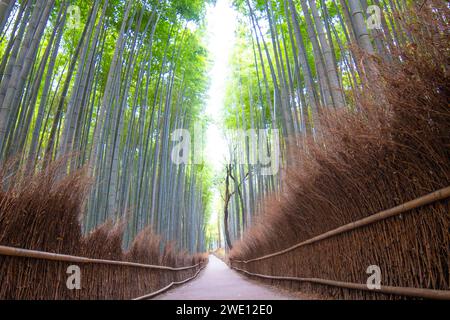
402	291
383	215
162	290
33	254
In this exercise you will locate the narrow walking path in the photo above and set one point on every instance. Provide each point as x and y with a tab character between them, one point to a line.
218	282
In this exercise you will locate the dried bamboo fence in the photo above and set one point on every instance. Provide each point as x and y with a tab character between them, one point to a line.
412	254
43	275
41	236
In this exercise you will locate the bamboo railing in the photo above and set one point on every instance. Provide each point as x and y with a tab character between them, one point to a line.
383	215
380	216
162	290
33	254
403	291
17	252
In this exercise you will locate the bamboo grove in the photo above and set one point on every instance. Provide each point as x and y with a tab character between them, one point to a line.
101	85
293	60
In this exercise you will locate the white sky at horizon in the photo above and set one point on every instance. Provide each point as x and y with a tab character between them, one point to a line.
222	23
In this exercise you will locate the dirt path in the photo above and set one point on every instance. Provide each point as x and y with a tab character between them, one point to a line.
218	282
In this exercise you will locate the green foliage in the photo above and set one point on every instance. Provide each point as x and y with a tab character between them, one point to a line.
133	81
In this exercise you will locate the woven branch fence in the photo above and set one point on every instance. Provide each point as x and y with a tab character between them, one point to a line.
410	243
43	275
41	236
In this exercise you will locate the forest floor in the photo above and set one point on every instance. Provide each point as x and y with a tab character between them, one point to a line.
219	282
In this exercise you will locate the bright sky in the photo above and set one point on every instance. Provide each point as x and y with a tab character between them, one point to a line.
221	38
